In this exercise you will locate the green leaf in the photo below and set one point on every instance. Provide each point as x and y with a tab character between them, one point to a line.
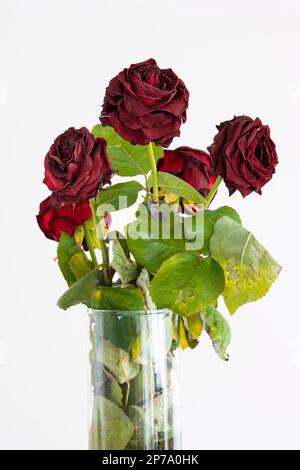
127	159
111	428
118	196
111	389
79	235
123	265
66	249
201	226
140	347
117	298
144	283
80	265
195	326
249	268
117	361
81	291
142	387
143	436
186	284
104	383
153	238
218	330
172	184
163	411
183	337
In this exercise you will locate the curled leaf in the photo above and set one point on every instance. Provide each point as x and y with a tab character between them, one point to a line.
218	329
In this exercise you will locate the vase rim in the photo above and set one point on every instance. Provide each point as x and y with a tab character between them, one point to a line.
139	312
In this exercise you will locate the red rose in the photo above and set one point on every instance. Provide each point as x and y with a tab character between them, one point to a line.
145	103
191	165
76	166
53	220
244	154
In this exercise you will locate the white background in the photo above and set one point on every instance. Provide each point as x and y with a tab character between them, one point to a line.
236	57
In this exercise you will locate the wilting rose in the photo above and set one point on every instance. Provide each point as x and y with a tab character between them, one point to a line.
76	166
145	103
53	219
191	165
243	154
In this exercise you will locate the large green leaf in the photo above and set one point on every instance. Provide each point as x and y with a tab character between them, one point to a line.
218	330
111	428
66	249
152	239
186	284
127	159
172	184
117	361
118	196
117	298
123	265
81	291
249	268
200	227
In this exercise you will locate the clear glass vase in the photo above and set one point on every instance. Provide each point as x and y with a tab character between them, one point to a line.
134	381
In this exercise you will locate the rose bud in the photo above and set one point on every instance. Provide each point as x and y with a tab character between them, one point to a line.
191	165
76	166
145	103
53	219
243	154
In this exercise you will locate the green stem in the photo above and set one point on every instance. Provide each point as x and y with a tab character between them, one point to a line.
89	243
105	259
103	248
213	191
154	172
127	393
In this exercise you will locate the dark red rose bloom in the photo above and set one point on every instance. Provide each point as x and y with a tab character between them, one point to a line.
191	165
244	154
76	166
53	219
145	103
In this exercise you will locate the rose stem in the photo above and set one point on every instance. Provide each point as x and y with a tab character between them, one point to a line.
89	243
154	172
103	248
127	392
213	191
105	259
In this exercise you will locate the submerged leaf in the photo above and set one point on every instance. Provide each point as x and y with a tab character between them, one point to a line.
142	387
117	361
143	436
111	428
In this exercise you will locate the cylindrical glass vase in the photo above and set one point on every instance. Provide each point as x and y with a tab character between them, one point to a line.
134	381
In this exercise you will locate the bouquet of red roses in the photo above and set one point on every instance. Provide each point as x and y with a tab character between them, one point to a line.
177	254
